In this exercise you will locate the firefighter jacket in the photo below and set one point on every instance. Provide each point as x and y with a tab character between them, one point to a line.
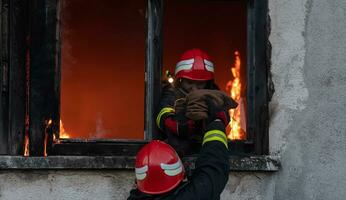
169	102
185	140
210	175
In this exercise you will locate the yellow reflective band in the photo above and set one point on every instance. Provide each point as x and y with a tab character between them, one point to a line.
162	112
215	135
215	132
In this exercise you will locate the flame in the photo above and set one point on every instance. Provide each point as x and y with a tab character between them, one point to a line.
48	125
236	129
26	145
26	137
63	133
27	90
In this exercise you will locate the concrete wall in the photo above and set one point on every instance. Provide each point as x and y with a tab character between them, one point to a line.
308	110
65	184
307	127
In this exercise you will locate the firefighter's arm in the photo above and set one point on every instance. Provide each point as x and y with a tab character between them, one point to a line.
166	105
212	166
169	121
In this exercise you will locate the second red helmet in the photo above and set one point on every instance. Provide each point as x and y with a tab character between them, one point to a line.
158	168
196	65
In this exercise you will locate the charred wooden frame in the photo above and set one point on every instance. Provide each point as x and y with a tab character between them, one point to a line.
44	95
45	75
153	65
3	75
30	51
260	87
13	35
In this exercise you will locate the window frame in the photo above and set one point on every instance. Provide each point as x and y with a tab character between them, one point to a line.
35	44
259	76
46	48
13	43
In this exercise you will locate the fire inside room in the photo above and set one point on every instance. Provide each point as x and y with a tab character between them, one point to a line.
103	52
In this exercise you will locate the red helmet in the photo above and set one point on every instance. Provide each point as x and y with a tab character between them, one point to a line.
195	65
158	168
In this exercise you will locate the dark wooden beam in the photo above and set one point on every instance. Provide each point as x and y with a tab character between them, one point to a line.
250	121
18	30
4	76
260	87
241	148
153	65
44	84
96	148
261	68
108	147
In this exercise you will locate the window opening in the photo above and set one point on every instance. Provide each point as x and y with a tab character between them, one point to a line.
102	74
45	85
220	29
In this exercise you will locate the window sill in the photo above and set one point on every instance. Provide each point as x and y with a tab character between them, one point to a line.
238	163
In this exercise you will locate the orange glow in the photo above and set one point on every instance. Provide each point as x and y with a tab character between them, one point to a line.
26	133
237	126
226	34
219	33
102	69
26	145
63	134
48	125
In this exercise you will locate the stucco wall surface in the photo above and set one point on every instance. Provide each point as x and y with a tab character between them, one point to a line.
307	126
65	184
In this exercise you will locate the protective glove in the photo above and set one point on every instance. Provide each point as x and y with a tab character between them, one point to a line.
203	104
178	124
217	112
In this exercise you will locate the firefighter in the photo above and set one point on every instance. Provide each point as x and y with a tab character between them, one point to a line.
160	172
193	72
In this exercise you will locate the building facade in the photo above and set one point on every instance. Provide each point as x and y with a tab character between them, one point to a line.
307	129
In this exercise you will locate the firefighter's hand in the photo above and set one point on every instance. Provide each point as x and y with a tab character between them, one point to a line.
180	106
217	112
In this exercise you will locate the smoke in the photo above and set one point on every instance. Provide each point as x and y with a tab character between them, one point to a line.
100	131
67	57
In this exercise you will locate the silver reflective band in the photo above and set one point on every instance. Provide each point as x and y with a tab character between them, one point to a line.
141	176
185	62
209	65
172	169
141	170
171	166
183	67
173	172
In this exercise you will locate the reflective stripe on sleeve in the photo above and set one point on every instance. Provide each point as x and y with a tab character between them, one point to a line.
161	113
215	135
